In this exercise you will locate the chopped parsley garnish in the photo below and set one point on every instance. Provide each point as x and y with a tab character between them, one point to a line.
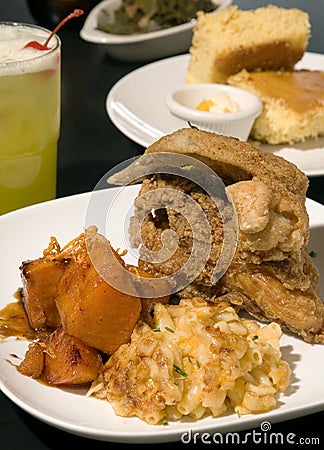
169	329
164	422
255	337
194	361
312	254
180	371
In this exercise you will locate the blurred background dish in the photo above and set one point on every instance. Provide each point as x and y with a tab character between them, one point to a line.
140	46
136	106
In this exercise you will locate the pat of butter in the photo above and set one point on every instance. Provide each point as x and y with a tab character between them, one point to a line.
219	103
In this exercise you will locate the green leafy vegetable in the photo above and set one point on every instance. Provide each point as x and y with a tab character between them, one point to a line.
142	16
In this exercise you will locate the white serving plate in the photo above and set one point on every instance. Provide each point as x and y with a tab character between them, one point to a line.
136	105
140	46
25	233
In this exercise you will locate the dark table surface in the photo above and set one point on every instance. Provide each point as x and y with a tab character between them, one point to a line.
89	146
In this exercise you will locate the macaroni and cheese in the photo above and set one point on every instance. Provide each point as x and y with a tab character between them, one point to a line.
194	359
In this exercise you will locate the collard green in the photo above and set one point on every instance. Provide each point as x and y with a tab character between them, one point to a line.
142	16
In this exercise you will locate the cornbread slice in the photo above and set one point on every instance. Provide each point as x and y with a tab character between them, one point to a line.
268	38
293	104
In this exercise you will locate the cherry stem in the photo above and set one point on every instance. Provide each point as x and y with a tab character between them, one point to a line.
38	46
75	13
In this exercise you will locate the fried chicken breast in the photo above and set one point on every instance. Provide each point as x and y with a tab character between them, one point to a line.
271	270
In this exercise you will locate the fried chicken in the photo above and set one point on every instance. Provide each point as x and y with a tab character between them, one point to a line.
270	269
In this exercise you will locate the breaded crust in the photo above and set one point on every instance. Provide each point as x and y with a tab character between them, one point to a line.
235	160
270	271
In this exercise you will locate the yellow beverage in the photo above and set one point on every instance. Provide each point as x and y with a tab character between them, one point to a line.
29	117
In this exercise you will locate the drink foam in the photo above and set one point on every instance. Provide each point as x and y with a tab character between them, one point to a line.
15	59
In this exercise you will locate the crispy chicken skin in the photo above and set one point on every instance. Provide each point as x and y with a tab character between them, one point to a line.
266	230
271	270
236	161
285	292
170	219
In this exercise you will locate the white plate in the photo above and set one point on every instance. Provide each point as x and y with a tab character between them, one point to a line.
25	233
140	46
136	105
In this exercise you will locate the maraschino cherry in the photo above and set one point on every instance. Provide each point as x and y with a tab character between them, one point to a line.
39	46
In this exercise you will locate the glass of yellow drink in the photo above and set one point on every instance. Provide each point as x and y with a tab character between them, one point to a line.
29	115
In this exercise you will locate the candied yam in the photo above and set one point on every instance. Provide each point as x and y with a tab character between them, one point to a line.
33	363
68	361
94	311
40	279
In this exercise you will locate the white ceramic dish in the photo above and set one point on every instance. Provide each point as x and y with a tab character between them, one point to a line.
141	46
136	105
182	102
26	233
